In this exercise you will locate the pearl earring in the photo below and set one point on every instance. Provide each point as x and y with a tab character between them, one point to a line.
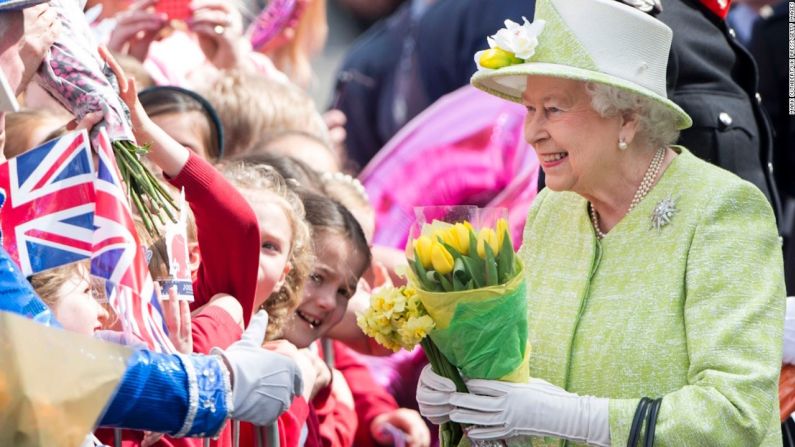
622	144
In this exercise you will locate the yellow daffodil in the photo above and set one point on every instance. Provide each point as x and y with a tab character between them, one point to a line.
415	330
396	318
422	245
487	236
457	236
498	58
441	259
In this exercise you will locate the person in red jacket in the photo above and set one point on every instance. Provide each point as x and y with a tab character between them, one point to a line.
326	415
239	257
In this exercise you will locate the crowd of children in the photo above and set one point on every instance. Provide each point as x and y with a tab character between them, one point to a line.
273	223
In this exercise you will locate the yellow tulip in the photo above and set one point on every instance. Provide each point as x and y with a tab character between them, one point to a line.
422	245
457	237
487	236
441	259
502	231
498	58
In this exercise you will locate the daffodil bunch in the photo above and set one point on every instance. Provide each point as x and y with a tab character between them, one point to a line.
455	257
396	318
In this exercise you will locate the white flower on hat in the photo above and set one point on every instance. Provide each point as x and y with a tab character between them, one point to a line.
521	40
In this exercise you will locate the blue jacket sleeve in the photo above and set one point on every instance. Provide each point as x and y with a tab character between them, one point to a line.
168	393
171	393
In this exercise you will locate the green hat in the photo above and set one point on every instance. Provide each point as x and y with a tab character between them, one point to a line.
601	41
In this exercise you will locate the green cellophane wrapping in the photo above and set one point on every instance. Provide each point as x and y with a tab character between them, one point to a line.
483	331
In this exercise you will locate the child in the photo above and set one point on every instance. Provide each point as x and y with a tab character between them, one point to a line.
70	293
286	253
300	145
375	407
341	257
251	106
233	260
187	117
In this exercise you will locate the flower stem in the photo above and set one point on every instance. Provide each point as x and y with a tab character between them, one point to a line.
145	192
450	433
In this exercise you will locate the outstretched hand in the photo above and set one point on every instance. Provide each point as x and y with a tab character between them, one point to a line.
128	91
176	314
165	151
415	432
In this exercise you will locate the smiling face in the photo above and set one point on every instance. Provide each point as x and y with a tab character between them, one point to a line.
276	235
331	284
76	307
573	142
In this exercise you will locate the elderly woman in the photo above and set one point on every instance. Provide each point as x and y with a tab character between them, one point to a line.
650	274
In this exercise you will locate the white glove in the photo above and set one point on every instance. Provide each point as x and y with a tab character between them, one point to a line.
264	383
433	396
504	410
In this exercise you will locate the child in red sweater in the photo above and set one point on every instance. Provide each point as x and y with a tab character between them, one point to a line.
341	257
375	408
239	256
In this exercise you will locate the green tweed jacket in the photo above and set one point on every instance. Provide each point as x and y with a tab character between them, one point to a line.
692	312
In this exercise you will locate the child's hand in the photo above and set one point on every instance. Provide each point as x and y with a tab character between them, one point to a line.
42	28
165	151
408	421
87	123
128	91
176	313
322	371
150	438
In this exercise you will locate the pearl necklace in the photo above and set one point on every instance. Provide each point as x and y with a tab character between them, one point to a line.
643	189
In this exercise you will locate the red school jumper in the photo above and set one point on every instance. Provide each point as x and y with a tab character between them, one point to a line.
228	234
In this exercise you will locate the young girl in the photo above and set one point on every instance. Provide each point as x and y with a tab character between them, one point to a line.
284	262
187	117
71	294
341	257
234	261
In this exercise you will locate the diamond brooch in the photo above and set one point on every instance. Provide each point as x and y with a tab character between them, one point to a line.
663	213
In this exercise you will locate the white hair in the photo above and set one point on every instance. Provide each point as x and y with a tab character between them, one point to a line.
656	122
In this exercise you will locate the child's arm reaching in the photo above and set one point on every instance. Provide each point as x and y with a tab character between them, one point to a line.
227	228
164	151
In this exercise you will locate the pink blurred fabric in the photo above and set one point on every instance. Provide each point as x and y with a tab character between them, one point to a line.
178	60
466	149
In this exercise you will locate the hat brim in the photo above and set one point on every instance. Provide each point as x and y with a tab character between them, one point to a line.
12	5
509	83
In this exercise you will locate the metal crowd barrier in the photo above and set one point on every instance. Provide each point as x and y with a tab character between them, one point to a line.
267	436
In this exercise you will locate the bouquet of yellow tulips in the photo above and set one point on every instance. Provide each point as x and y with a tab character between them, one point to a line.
452	258
466	292
470	282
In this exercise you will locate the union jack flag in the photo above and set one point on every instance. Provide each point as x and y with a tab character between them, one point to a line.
119	258
47	204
